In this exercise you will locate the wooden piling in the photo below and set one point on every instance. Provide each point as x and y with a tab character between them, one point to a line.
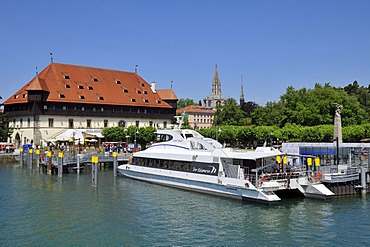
21	156
49	166
37	158
29	158
60	164
115	164
94	171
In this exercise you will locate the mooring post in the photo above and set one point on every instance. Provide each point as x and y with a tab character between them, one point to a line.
49	162
60	164
94	171
37	158
21	156
30	151
78	163
363	180
115	164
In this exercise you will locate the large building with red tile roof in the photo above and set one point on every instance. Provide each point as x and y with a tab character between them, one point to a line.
199	117
65	96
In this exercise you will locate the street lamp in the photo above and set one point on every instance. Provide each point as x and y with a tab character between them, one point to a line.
136	132
271	136
217	132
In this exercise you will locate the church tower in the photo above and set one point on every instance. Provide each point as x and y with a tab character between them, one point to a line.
216	94
242	101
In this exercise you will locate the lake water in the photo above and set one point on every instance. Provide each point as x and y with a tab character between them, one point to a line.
37	209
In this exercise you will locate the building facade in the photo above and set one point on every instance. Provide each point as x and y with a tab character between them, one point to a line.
199	117
64	97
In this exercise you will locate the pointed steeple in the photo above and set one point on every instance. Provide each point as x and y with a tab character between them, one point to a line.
241	92
216	85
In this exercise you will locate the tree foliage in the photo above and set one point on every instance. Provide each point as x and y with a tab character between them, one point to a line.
229	113
5	131
181	103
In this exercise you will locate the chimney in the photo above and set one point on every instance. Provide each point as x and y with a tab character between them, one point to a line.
153	87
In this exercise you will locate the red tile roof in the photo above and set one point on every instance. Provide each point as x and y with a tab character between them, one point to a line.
80	84
167	94
196	109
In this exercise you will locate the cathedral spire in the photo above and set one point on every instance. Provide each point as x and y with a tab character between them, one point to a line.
241	92
216	85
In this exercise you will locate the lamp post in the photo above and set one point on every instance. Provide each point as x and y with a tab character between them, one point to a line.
271	136
136	132
217	132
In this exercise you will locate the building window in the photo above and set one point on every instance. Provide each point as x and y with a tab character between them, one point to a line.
101	98
105	123
165	125
82	108
64	108
145	92
51	122
90	88
68	86
82	97
80	87
94	109
28	122
70	123
151	123
138	92
88	123
62	96
137	123
118	82
53	107
45	107
66	77
21	123
133	100
95	79
102	109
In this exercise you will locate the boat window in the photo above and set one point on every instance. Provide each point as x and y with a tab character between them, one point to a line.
188	135
163	138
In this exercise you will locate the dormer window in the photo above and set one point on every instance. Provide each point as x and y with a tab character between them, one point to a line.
24	95
145	92
158	101
68	86
95	79
138	92
146	101
142	84
66	77
62	96
125	90
133	100
82	97
101	98
80	87
90	88
118	82
16	96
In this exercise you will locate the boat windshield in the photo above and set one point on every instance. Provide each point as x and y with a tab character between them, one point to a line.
163	138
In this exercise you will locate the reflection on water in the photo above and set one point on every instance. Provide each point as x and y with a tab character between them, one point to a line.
39	209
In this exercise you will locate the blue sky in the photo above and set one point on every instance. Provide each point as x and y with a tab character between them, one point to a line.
273	44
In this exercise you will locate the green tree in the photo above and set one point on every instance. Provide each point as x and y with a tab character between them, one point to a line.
5	131
113	134
181	103
229	114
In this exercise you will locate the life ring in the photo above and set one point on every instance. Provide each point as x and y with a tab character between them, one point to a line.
318	177
264	178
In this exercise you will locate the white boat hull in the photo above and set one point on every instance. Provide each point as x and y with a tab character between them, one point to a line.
200	183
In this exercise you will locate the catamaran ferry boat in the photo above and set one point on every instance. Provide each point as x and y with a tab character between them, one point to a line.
185	159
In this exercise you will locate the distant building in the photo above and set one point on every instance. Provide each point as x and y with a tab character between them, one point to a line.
64	97
216	95
199	117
